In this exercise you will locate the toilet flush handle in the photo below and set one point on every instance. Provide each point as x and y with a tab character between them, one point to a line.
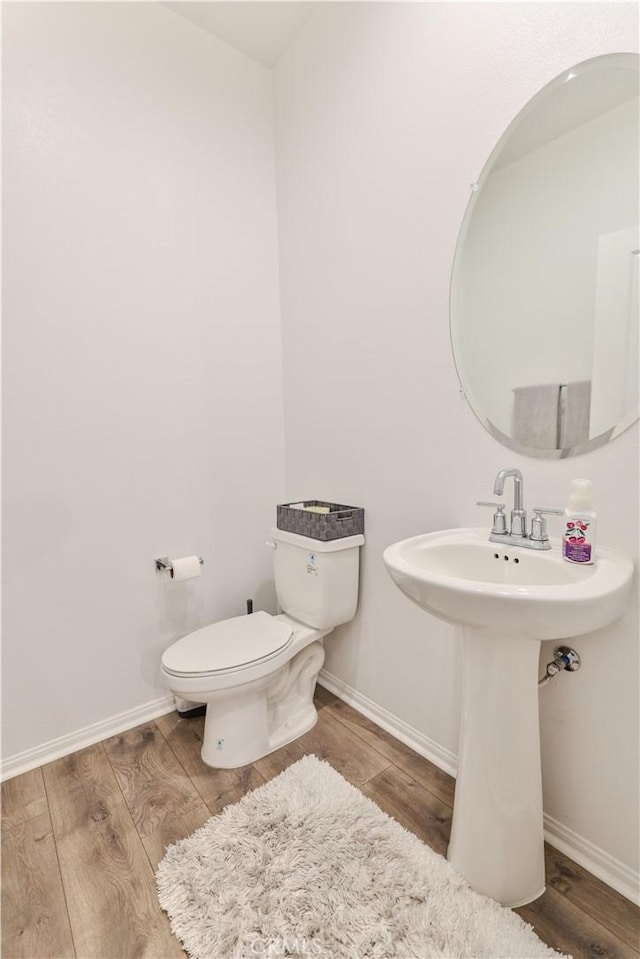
270	543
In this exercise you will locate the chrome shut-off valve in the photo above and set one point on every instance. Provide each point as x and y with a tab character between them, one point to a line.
564	657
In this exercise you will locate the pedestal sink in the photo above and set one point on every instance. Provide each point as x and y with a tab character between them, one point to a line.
507	599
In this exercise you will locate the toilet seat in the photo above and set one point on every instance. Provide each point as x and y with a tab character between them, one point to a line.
228	645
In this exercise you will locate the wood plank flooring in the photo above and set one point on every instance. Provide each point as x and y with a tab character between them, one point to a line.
82	837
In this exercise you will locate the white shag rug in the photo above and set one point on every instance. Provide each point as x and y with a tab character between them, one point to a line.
306	865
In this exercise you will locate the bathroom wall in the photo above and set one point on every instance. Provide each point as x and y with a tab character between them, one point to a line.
143	383
385	114
143	386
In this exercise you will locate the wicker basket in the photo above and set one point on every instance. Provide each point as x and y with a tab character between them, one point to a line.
338	522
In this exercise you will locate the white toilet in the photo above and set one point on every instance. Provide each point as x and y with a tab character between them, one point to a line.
257	673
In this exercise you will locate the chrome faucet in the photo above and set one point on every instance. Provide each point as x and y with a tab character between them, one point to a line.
516	534
518	513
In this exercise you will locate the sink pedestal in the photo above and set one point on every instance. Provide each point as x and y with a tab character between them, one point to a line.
507	600
497	831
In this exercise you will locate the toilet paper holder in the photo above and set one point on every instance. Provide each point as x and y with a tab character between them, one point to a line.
164	564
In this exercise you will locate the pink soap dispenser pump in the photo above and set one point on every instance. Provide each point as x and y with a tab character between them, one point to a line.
578	541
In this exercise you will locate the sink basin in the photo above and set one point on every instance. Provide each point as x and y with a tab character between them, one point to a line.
506	599
459	576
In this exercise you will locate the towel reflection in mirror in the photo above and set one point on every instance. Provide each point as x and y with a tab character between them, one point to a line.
552	416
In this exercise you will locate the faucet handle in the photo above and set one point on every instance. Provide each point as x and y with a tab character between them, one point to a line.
499	517
539	524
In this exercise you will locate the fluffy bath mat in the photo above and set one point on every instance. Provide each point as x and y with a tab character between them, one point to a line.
308	866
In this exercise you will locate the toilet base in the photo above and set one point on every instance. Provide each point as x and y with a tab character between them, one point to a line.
192	712
226	755
248	722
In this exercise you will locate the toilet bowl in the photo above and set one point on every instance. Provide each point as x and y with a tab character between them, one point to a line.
257	673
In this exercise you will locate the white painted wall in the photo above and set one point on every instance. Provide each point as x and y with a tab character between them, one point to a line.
143	387
143	409
385	113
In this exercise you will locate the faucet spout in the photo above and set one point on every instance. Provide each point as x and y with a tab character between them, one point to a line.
518	484
518	515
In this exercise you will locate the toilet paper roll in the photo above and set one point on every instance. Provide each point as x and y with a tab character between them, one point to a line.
186	567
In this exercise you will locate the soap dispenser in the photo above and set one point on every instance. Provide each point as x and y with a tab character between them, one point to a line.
578	541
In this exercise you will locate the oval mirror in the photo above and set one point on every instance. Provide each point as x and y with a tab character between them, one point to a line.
544	292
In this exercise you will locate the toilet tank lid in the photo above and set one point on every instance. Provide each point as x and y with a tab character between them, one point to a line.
317	545
228	644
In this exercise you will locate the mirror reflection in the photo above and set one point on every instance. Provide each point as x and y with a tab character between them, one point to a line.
544	298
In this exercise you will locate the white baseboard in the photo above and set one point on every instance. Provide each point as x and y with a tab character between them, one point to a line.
615	873
598	862
421	744
56	748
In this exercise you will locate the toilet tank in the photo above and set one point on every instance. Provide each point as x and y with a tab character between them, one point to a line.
316	581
